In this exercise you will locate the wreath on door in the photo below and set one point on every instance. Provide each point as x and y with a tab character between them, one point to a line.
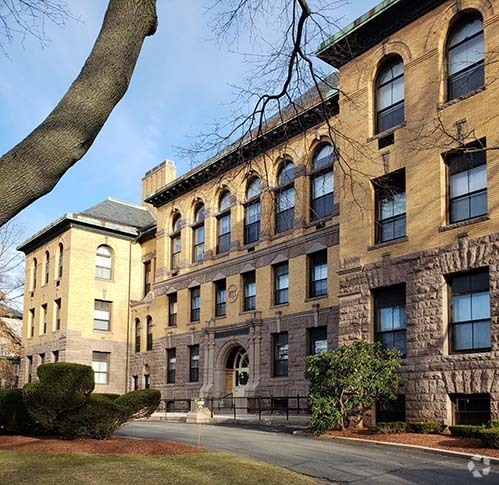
243	378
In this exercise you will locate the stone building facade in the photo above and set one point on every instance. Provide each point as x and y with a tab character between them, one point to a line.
380	223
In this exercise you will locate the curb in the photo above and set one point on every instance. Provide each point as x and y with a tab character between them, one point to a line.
426	449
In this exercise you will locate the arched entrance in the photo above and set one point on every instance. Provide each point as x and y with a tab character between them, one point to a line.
237	371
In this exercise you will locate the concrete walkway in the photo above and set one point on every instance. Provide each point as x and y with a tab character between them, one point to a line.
330	461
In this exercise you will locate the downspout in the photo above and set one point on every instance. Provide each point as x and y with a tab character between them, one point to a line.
127	364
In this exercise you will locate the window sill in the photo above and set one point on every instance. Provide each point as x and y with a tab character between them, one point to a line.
391	130
280	305
280	377
220	255
250	245
470	353
193	323
467	222
104	279
316	298
388	243
247	312
324	220
454	101
221	317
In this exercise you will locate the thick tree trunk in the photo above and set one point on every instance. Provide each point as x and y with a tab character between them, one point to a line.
34	166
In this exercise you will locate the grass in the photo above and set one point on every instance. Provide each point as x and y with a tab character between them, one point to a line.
203	468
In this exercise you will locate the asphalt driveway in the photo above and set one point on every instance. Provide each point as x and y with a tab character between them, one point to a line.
331	461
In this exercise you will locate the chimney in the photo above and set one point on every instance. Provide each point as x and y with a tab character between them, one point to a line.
156	178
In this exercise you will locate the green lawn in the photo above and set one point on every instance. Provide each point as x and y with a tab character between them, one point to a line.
202	468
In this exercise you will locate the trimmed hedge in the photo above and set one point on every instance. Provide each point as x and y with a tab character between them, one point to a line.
465	430
14	417
489	437
139	404
109	395
393	427
426	427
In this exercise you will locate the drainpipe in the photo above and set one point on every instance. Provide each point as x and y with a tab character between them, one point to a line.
127	364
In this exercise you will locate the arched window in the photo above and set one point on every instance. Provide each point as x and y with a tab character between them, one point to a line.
47	267
198	234
465	57
149	333
176	242
252	211
322	190
285	198
390	95
61	261
137	335
104	264
35	271
223	223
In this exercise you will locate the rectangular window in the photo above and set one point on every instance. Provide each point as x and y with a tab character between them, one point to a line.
176	247
322	195
471	409
220	298
171	364
280	354
147	381
194	363
58	314
318	274
195	304
390	318
100	365
390	410
32	322
281	283
30	368
149	335
317	338
467	184
252	222
223	242
285	210
44	319
172	309
102	315
138	329
390	207
470	312
198	248
135	383
42	359
55	356
147	277
249	282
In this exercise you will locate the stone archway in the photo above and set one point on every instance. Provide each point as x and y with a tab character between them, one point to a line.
232	370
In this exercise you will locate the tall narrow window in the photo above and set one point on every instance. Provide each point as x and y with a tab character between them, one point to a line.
252	212
137	335
317	339
223	223
55	356
60	270
149	333
470	305
35	271
172	309
32	322
220	298
102	315
322	189
44	319
147	381
471	409
318	274
198	234
466	55
467	184
390	318
195	304
390	95
249	283
100	365
281	283
280	354
30	368
47	267
171	364
285	198
42	358
176	243
104	263
147	277
194	363
390	207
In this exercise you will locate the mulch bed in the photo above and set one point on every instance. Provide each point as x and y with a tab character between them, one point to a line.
440	441
111	446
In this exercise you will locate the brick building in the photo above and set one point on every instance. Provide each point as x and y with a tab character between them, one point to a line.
379	224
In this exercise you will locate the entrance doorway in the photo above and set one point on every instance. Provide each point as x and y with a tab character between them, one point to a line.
237	372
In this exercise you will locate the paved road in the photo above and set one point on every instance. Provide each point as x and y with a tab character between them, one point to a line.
331	461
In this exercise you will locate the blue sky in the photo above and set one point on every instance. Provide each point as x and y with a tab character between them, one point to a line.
182	84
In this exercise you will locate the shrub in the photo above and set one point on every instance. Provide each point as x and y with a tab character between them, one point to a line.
14	417
139	404
465	430
344	384
489	437
426	427
494	423
393	427
109	395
